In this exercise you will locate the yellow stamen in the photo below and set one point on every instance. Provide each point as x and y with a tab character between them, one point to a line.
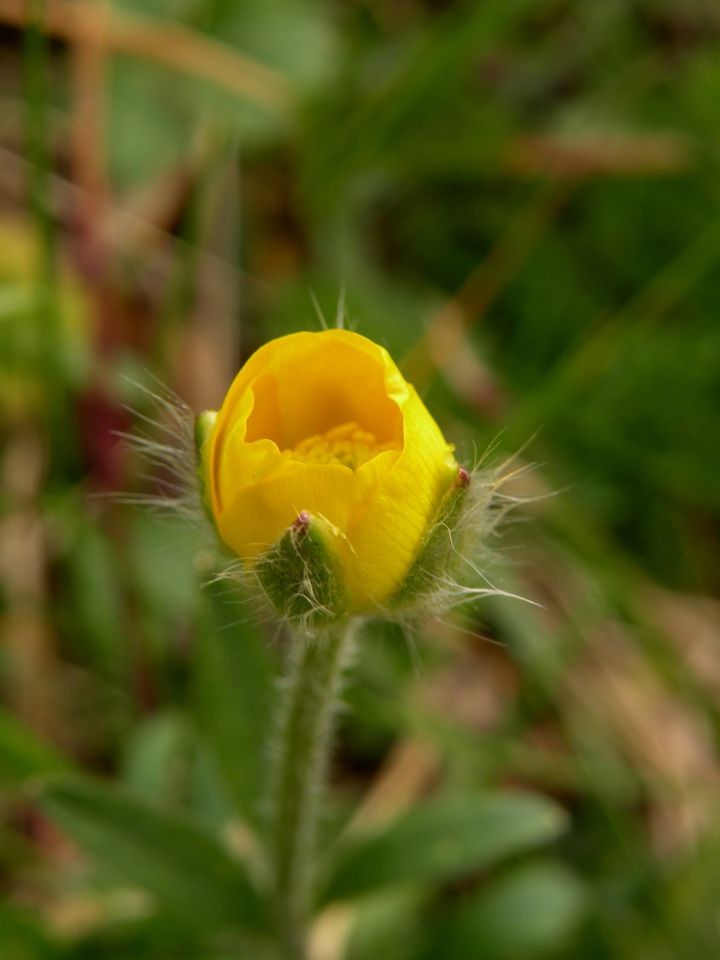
347	444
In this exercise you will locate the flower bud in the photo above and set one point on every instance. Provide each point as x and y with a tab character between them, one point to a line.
326	474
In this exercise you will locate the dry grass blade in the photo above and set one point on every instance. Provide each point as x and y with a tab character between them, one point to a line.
599	154
169	44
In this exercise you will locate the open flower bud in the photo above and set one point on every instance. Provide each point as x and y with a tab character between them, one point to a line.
320	436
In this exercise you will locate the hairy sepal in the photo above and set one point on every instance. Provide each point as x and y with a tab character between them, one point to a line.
437	554
204	426
300	575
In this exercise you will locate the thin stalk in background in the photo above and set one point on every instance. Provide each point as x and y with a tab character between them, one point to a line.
36	63
311	699
37	80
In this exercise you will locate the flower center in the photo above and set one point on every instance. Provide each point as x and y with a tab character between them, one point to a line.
347	444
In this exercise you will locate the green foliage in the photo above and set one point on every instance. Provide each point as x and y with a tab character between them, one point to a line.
524	914
235	698
444	840
182	865
390	924
155	109
22	936
23	754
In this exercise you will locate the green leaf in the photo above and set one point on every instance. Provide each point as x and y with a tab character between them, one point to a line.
186	869
389	925
527	912
23	754
150	118
22	936
444	839
297	37
165	761
94	591
163	558
157	758
235	695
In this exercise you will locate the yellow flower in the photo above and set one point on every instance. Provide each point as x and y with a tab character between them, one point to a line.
324	424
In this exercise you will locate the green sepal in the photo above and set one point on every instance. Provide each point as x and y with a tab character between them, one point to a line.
439	549
204	426
301	575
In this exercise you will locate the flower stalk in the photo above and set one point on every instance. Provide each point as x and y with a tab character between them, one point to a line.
311	699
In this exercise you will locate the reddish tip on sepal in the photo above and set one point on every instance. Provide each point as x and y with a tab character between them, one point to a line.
462	481
302	522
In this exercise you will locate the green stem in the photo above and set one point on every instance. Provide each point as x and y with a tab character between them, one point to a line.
312	693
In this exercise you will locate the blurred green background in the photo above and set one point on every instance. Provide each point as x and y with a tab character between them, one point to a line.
521	200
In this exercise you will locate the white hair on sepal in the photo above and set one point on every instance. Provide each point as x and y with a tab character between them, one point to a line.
456	571
165	442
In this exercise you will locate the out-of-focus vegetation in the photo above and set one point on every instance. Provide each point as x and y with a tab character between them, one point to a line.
522	200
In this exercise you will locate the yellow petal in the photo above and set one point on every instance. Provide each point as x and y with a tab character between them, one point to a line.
386	536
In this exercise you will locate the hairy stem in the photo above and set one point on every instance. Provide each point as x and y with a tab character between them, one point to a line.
312	693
